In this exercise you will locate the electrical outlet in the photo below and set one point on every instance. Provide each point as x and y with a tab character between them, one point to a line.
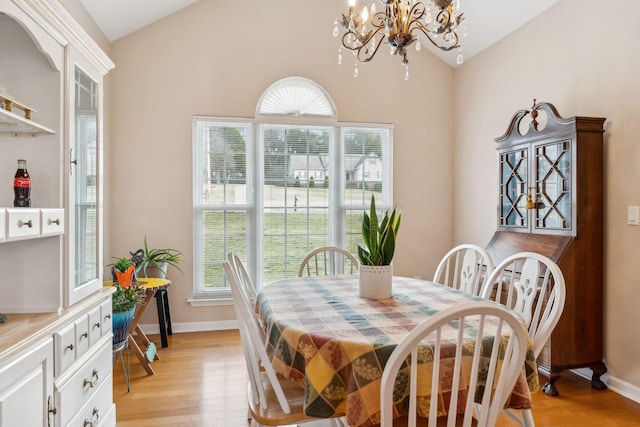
632	215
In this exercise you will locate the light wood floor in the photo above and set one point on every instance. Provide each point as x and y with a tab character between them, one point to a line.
201	381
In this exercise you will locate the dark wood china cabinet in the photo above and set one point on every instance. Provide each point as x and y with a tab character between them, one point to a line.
551	202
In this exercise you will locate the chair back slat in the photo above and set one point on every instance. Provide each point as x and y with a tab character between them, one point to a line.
328	260
464	267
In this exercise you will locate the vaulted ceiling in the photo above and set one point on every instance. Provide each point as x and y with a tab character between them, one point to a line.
487	21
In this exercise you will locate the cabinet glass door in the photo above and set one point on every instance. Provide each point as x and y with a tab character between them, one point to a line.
553	183
513	189
84	172
84	178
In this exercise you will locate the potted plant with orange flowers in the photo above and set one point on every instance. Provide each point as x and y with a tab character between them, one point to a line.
127	296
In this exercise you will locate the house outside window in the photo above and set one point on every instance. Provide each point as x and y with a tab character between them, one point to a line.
273	188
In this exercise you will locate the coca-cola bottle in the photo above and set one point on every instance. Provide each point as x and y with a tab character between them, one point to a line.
22	186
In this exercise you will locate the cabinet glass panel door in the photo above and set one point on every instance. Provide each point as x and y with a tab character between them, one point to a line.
84	181
513	189
553	182
84	172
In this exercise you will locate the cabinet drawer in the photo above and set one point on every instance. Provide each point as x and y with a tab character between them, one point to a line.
51	222
105	312
108	419
95	325
65	348
99	410
82	386
3	224
82	335
23	223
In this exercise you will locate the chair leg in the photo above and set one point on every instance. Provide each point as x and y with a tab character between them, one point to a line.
527	418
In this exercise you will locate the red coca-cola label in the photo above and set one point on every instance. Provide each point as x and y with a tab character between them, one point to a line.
22	182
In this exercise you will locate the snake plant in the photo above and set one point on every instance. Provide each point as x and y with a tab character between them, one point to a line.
379	238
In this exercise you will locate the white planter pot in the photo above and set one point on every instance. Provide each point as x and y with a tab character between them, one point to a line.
375	281
158	272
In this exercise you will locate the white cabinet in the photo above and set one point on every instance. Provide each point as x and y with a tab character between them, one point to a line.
54	371
26	387
30	223
59	315
83	379
54	67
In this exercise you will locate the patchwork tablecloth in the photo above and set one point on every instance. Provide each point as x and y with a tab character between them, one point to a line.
335	344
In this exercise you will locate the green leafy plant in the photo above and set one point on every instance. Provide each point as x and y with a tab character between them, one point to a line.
127	297
122	264
379	238
123	270
157	257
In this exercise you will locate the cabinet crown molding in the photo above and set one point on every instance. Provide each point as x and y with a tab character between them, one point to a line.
55	19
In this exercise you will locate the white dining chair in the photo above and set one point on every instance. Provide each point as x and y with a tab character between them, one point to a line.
465	267
533	286
242	276
328	260
497	361
273	400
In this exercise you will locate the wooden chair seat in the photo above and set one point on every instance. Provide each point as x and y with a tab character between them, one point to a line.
272	414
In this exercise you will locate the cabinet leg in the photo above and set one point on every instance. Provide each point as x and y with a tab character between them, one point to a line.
598	371
550	388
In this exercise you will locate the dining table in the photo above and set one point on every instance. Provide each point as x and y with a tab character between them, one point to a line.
321	334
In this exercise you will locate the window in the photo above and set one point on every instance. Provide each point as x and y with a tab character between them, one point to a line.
273	188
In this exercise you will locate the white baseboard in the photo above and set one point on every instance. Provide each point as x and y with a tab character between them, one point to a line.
614	384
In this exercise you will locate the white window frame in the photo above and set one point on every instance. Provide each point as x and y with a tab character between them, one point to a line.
338	206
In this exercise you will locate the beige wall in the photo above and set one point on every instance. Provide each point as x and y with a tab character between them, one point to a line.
80	14
585	62
214	58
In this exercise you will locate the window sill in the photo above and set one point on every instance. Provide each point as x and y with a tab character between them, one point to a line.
210	302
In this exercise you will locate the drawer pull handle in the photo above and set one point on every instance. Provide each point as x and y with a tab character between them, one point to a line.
108	316
53	221
85	335
71	346
93	381
28	223
96	325
95	416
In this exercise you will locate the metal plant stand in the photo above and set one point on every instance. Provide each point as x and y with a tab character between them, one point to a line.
119	348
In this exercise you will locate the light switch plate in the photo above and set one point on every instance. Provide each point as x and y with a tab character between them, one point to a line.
632	215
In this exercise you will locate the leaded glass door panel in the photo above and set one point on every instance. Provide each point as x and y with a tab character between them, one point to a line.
553	186
513	189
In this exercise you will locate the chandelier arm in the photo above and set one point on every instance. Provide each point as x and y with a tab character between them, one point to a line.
433	42
417	11
366	54
364	49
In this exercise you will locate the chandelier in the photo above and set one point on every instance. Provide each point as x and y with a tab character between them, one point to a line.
399	25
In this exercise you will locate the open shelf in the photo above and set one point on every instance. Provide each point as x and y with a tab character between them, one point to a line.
13	125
